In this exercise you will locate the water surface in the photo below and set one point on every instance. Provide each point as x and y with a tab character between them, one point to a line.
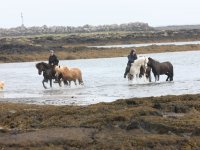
103	81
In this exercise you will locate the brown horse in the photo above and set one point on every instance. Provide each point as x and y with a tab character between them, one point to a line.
48	73
69	74
161	68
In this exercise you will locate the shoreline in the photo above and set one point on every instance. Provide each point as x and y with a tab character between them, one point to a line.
152	122
92	53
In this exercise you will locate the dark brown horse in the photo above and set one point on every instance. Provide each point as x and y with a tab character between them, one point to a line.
146	72
48	72
161	68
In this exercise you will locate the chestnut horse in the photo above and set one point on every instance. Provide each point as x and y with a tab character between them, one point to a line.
69	74
161	68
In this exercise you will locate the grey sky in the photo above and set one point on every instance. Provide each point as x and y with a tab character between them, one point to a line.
93	12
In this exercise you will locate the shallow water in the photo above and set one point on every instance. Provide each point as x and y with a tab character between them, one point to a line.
103	81
147	44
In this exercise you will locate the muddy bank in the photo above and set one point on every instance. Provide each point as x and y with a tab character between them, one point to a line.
170	122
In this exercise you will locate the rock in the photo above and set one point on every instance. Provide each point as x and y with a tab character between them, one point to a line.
133	125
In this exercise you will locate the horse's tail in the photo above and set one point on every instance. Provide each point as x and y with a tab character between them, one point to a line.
171	72
80	79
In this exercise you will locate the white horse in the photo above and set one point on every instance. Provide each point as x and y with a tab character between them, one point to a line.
135	67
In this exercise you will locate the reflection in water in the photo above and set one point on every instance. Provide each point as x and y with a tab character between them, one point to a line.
103	80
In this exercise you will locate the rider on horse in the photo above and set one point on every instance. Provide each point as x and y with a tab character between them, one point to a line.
53	60
131	58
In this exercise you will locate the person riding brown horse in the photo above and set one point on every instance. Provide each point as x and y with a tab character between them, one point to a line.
48	72
53	61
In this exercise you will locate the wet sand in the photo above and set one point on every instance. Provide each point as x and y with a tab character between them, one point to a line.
166	122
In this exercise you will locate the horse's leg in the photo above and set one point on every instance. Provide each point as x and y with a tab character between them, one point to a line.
80	81
75	82
158	77
44	84
136	77
150	78
167	77
155	77
145	77
65	82
171	78
59	82
51	83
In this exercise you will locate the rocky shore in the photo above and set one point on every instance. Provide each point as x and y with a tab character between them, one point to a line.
166	122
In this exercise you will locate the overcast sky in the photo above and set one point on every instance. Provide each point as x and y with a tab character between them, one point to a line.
93	12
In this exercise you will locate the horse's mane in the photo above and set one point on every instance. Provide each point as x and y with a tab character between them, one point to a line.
153	60
47	66
62	68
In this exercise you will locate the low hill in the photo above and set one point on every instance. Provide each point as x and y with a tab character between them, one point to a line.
22	30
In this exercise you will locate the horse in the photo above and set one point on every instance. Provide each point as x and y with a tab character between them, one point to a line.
161	68
48	72
2	85
69	74
136	66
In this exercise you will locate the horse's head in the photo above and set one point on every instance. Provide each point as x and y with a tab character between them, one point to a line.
130	76
40	68
57	70
150	62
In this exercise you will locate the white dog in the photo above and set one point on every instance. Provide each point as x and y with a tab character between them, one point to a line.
2	85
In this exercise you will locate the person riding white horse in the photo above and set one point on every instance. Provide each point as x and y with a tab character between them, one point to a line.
135	67
131	58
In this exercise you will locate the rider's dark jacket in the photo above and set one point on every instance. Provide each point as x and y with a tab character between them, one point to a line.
131	58
53	60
